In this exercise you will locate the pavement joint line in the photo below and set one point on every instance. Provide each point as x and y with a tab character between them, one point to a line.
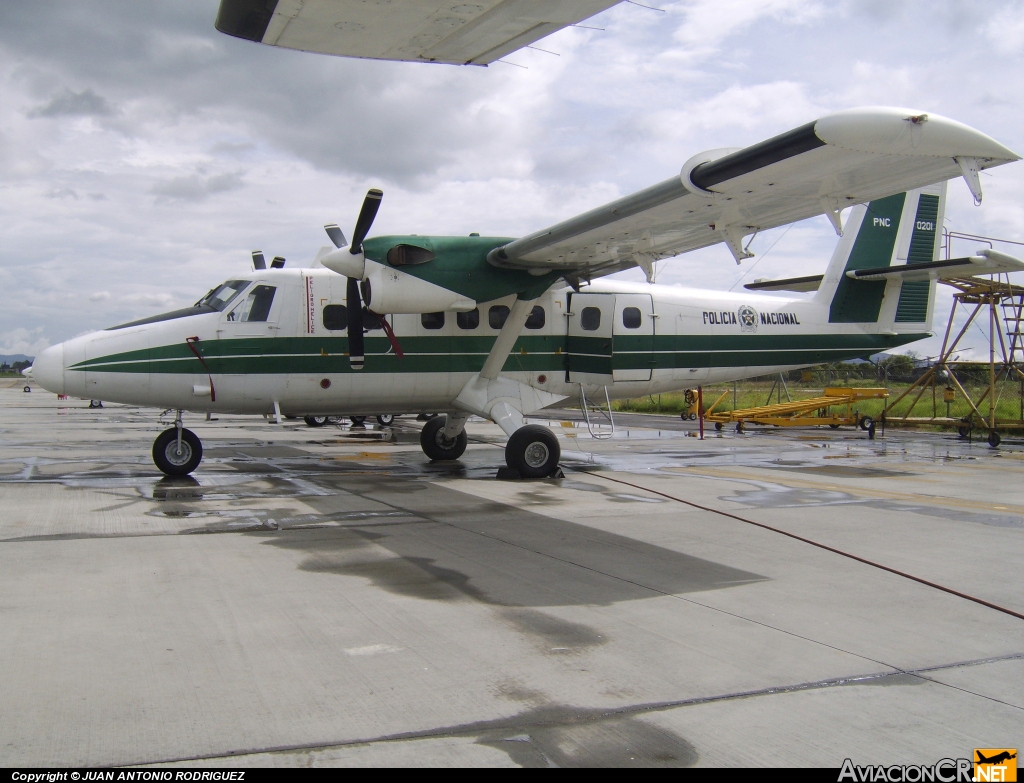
596	716
819	545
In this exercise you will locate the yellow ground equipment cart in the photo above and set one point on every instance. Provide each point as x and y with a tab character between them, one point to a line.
801	413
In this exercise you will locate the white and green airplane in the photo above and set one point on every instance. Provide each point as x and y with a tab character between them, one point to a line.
502	328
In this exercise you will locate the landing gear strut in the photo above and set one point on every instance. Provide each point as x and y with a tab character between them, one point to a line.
177	451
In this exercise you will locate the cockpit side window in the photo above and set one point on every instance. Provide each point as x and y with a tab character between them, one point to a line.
256	306
223	295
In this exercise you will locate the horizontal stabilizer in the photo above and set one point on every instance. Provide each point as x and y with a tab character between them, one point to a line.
986	262
799	284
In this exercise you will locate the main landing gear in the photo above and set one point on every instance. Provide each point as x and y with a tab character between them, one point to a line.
177	451
532	451
439	446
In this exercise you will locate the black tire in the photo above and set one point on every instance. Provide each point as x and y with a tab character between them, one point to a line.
719	426
739	427
994	439
866	422
95	403
290	417
964	430
684	416
166	458
27	389
436	446
315	421
533	451
357	421
693	417
386	419
833	426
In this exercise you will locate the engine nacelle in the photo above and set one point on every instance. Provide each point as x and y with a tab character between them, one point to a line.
389	290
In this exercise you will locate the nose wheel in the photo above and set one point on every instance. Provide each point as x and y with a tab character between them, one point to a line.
174	457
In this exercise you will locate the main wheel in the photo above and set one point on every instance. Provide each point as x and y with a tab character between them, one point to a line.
172	461
357	421
95	403
386	419
315	421
436	446
533	451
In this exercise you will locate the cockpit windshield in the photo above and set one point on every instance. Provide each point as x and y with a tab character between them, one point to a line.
223	295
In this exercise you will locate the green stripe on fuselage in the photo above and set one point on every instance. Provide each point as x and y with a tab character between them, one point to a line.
326	355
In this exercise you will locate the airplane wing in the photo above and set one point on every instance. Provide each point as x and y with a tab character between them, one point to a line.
459	33
842	159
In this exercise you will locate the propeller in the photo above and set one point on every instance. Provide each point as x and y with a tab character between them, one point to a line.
258	261
353	269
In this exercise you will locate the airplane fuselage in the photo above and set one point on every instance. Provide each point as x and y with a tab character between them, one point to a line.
634	339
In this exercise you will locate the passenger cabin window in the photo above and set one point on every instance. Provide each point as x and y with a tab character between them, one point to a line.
432	320
223	295
256	306
336	318
470	320
536	319
496	316
590	319
631	317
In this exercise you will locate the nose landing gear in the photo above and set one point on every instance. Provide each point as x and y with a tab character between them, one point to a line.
177	451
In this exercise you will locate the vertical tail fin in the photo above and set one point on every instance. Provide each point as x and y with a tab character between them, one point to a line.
896	230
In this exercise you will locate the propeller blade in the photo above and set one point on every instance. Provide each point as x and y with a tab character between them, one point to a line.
258	261
355	324
336	235
277	263
366	215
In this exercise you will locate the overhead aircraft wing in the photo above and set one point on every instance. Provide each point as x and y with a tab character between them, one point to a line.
986	262
845	158
459	33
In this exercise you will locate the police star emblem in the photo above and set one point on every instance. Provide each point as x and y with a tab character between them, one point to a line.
748	318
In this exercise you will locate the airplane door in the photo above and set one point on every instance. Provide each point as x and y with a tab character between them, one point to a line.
589	338
633	333
253	372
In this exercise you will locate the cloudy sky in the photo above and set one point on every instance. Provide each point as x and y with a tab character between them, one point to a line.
143	154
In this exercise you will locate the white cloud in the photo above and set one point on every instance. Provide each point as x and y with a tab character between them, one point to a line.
27	341
143	154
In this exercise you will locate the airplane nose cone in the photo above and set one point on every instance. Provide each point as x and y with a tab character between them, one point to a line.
48	369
